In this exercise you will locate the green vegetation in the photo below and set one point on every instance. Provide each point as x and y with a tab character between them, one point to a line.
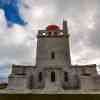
3	85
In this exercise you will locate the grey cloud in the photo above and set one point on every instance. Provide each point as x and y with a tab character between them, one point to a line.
75	10
84	42
78	12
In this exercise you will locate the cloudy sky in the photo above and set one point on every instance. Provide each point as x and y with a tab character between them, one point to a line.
18	43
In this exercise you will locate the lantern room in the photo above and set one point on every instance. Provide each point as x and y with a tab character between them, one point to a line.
52	28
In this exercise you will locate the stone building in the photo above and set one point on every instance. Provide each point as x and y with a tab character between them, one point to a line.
53	69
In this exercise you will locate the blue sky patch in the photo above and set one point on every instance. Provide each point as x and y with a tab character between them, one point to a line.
11	11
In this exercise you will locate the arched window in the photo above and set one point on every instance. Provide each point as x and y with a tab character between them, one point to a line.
40	77
52	76
65	76
52	55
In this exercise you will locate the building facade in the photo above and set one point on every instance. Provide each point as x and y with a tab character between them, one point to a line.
53	69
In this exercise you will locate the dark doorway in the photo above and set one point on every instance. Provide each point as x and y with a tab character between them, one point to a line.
40	77
65	76
52	76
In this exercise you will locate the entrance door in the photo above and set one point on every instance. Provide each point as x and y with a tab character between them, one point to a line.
52	79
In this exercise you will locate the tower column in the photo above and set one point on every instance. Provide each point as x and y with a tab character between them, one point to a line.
65	31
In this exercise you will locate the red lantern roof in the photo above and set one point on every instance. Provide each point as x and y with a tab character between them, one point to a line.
52	27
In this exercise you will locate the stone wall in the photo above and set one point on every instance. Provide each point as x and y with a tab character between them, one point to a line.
89	79
79	77
45	46
17	82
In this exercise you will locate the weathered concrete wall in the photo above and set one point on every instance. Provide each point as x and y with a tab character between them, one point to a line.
88	77
96	81
78	78
45	46
86	70
86	83
17	82
18	70
37	83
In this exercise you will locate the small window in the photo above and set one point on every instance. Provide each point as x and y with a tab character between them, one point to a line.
40	77
52	76
65	76
86	74
52	55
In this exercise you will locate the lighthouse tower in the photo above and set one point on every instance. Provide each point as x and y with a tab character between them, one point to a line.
53	47
53	57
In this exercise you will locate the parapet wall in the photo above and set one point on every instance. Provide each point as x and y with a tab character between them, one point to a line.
88	76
